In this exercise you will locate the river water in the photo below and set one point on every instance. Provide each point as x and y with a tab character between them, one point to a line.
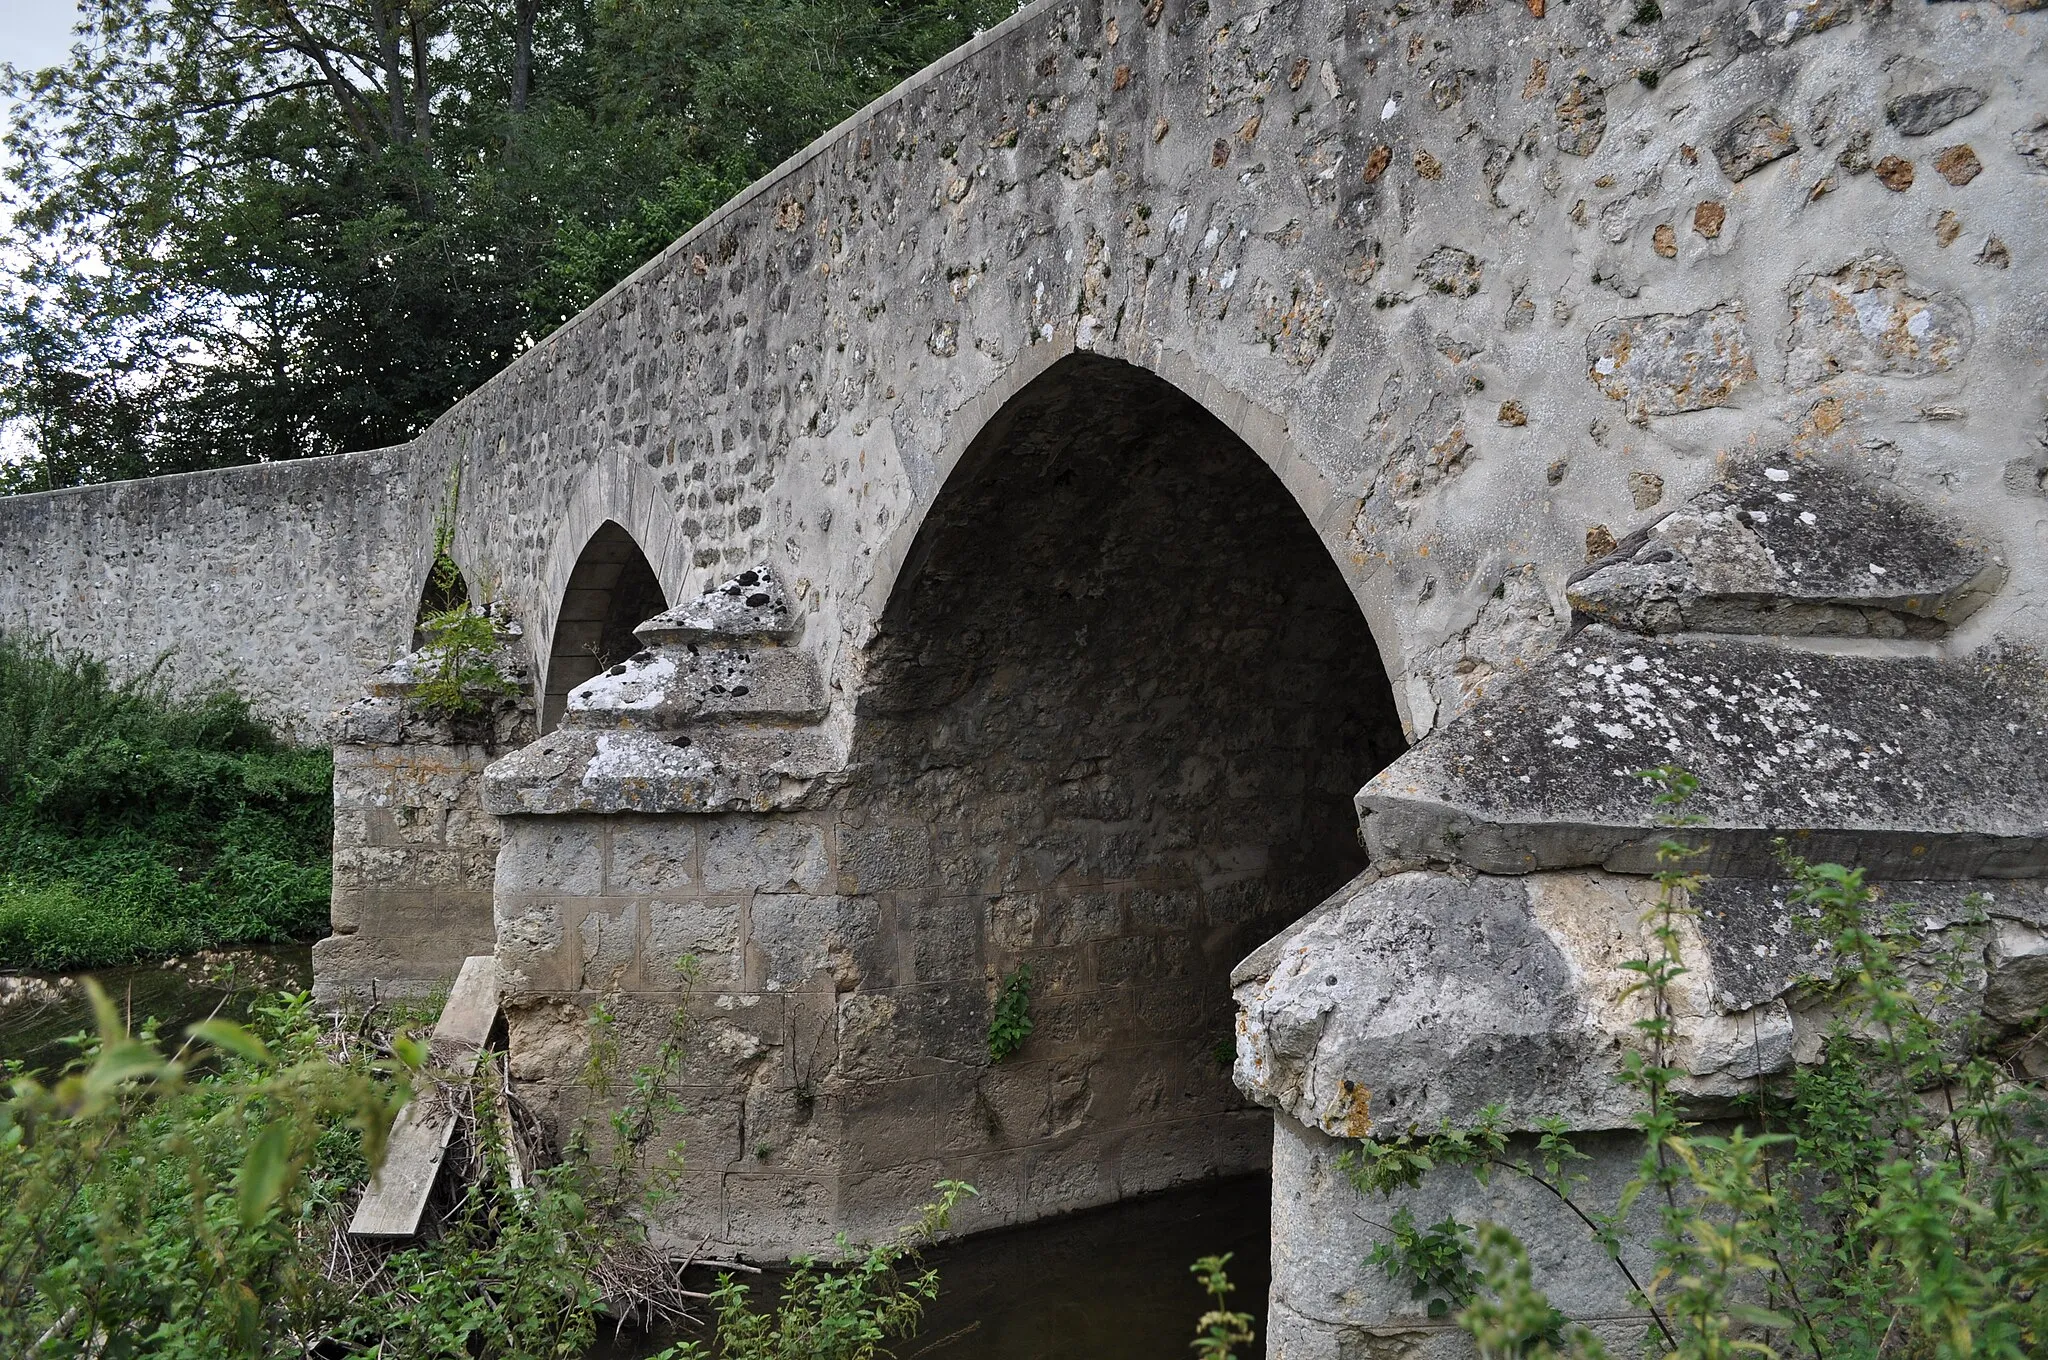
38	1012
1106	1284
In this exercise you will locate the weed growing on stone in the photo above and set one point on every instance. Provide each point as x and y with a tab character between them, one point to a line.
1890	1199
1010	1026
137	823
460	672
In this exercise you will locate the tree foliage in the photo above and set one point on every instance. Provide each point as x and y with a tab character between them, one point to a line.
262	229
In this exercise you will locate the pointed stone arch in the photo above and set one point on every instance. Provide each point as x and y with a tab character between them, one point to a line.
611	590
1114	714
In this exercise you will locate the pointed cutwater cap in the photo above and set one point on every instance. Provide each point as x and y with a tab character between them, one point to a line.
751	605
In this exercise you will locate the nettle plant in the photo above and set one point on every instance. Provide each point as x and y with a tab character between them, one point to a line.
1890	1200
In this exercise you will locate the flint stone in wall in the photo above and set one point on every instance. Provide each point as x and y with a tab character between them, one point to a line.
1581	116
2031	145
1917	115
1774	23
1912	768
1867	317
1753	141
1791	547
1663	364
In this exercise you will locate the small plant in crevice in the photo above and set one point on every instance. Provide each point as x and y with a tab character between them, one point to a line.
1434	1260
1010	1026
1220	1331
461	674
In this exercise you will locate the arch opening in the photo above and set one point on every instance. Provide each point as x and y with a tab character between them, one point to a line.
611	591
1125	696
444	589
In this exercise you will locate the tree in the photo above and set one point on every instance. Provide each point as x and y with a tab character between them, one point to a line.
260	229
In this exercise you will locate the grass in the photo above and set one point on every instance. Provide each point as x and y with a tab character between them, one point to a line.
137	823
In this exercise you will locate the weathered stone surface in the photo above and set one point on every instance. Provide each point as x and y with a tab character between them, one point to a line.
626	770
1868	317
674	686
1913	768
752	605
1326	1306
1759	943
1917	115
1663	364
1753	141
1429	996
1791	546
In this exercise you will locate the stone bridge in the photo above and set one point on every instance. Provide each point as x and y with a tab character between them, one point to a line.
1014	531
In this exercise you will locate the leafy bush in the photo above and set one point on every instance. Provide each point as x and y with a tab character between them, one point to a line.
151	1206
1889	1201
137	823
833	1312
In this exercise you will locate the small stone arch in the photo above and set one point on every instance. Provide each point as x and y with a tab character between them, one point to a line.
446	587
612	589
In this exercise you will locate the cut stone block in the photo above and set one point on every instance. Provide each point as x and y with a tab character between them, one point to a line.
751	605
718	770
1791	547
1911	768
672	686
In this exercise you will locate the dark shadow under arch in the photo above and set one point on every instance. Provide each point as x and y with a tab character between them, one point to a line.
611	591
1114	717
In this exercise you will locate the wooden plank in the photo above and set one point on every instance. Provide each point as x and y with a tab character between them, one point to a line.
397	1197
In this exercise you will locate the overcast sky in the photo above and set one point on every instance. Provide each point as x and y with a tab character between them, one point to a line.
35	32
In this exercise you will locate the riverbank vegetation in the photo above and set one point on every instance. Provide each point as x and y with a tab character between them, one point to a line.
190	1200
136	822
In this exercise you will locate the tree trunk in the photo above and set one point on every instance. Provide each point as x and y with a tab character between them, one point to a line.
422	36
395	112
522	53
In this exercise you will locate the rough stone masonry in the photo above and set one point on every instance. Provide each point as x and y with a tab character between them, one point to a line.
1138	429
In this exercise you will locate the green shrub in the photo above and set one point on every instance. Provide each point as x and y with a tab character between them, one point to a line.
136	823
